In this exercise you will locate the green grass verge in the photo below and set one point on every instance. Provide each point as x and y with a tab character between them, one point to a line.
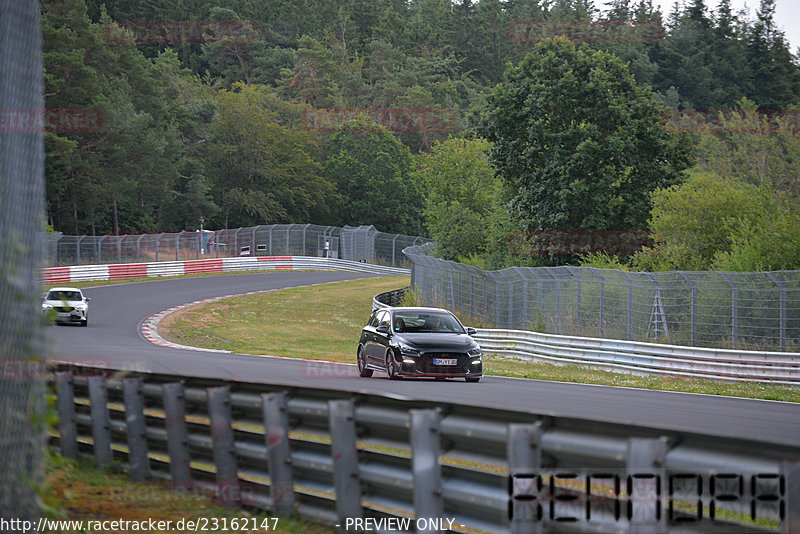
77	490
319	322
324	322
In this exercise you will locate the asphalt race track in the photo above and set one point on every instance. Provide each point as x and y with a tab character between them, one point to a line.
113	339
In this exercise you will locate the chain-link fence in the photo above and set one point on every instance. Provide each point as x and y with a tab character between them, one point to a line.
363	243
21	221
706	309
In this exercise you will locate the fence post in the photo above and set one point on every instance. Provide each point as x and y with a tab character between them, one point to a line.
78	250
99	249
394	264
138	247
630	304
645	464
158	245
136	429
734	308
305	228
101	429
524	465
342	424
279	457
693	285
427	476
219	412
271	228
782	312
119	248
65	403
177	435
558	306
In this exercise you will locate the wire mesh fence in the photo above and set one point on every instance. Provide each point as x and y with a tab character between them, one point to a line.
21	216
362	243
758	310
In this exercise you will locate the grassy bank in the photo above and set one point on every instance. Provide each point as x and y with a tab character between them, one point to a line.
324	322
77	490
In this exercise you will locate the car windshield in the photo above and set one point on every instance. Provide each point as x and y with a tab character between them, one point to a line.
427	322
64	295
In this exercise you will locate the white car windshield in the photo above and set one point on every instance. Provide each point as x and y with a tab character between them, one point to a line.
64	295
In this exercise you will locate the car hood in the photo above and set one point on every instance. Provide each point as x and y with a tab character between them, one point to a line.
442	342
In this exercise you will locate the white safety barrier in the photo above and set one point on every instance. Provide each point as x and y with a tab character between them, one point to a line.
123	271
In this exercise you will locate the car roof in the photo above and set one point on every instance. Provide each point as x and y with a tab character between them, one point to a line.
417	309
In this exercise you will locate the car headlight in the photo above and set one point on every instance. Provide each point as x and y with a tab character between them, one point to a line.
47	307
405	349
80	307
474	352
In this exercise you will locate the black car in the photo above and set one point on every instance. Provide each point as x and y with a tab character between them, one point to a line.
418	342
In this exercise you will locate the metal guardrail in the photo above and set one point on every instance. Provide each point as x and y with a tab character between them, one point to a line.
80	273
336	456
644	358
632	356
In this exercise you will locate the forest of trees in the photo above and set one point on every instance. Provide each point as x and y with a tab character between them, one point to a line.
218	132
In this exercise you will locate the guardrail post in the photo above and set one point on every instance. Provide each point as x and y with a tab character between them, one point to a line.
65	403
342	424
101	428
219	411
177	435
791	521
279	458
136	428
524	464
427	476
645	484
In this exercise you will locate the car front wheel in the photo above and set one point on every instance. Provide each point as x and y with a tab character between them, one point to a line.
391	366
362	365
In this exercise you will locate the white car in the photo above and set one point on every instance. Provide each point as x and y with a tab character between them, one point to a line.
67	304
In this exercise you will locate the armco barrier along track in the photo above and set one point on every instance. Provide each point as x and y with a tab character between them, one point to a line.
81	273
634	357
337	456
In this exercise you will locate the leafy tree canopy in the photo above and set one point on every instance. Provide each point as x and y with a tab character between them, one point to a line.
579	143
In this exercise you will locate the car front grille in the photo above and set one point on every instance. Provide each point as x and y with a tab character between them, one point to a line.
63	308
425	363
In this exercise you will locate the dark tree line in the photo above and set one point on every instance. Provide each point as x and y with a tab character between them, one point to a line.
218	131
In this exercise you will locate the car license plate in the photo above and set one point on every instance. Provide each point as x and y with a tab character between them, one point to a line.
445	361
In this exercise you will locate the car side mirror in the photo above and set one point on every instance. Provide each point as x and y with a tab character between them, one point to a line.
87	299
471	331
382	329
